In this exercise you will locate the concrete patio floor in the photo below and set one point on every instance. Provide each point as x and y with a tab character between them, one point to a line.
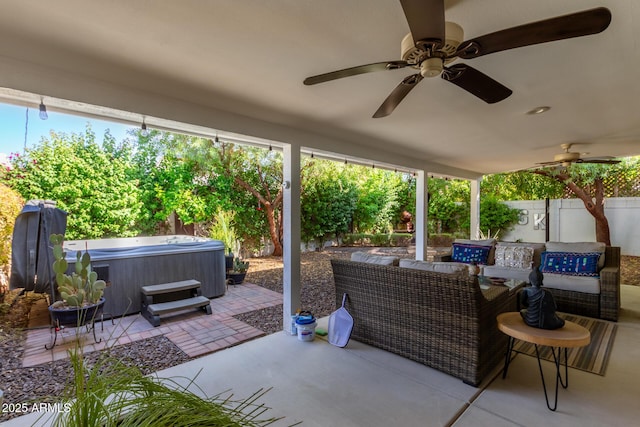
359	385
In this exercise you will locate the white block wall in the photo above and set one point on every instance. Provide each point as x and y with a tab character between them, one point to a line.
569	221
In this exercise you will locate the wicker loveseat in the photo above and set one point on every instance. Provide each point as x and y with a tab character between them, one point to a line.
444	321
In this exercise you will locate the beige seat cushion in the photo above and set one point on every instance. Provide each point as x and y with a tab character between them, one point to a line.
374	259
507	272
456	268
588	285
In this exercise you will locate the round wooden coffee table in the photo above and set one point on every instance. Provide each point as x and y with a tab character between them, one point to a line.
569	336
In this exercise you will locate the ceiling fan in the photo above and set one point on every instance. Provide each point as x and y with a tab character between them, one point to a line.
433	43
568	157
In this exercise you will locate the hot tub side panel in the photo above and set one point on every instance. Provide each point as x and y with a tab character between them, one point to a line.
128	275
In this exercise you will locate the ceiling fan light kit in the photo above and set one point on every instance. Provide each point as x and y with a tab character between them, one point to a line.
433	43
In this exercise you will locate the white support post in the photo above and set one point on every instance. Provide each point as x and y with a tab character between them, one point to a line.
291	234
475	209
422	208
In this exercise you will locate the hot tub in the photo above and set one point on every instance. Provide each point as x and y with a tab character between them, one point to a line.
130	263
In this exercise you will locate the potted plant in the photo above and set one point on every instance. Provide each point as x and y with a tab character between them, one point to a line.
238	272
81	291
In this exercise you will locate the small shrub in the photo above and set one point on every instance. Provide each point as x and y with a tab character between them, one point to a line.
380	240
400	239
223	229
354	239
441	240
10	205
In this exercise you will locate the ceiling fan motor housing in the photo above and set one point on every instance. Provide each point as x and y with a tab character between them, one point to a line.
566	157
428	64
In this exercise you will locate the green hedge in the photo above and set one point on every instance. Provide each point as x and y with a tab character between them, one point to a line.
366	239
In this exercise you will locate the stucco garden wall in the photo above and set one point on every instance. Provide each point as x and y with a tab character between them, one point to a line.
569	221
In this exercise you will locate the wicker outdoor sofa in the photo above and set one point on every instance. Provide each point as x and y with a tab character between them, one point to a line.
597	296
444	321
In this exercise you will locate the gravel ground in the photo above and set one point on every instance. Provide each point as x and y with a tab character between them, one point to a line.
317	294
46	382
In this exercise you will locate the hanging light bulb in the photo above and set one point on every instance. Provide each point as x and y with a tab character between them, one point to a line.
270	147
145	131
216	140
43	110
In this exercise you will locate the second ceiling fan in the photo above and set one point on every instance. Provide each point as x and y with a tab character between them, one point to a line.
568	157
433	43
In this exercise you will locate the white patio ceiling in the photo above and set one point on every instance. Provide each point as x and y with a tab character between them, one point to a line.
238	65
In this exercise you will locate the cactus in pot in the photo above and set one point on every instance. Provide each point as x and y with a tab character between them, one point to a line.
82	287
240	266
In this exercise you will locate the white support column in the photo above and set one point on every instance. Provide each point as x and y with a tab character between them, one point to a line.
475	209
422	209
291	233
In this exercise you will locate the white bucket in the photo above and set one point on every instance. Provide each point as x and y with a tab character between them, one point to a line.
306	332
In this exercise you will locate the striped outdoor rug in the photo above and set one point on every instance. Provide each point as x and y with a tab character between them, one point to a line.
592	358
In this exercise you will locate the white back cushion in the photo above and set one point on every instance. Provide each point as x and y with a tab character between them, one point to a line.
374	259
455	268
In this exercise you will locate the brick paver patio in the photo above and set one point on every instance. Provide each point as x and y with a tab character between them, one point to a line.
192	331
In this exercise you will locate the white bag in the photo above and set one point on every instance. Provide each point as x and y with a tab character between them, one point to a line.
340	325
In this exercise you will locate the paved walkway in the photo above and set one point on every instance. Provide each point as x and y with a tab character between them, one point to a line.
192	331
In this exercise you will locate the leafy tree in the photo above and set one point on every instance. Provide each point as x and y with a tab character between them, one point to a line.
328	200
256	181
379	201
496	216
586	182
406	206
177	175
448	205
522	185
91	184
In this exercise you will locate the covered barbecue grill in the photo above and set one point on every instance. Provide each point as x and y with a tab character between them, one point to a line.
31	253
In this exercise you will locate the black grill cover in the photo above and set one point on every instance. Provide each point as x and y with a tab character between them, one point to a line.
31	252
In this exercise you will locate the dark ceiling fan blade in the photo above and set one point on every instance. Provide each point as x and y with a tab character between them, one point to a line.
599	161
397	95
425	19
476	83
544	164
578	24
590	160
354	71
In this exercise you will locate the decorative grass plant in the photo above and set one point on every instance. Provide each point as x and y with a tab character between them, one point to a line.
110	393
